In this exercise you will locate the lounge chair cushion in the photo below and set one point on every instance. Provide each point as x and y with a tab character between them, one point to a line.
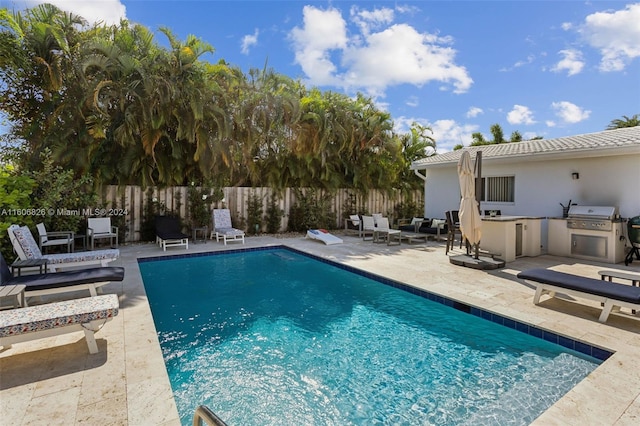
59	314
168	228
26	241
594	286
67	279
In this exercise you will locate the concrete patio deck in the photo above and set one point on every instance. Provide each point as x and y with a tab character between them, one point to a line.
55	381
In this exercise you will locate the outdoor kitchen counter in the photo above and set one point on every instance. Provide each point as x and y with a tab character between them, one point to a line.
511	236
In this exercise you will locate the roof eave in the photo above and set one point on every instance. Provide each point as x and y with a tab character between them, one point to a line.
543	156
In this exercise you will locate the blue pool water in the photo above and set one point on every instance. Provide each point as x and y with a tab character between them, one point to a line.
274	337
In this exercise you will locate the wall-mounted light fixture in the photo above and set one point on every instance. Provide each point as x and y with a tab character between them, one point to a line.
575	175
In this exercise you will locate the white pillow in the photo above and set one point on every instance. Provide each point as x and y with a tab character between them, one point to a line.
438	223
416	219
355	219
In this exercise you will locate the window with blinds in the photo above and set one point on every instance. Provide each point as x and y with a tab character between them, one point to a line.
498	189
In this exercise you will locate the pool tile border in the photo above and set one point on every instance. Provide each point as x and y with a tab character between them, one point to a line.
564	341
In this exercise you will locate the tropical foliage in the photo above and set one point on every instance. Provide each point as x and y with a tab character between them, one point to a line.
111	103
625	121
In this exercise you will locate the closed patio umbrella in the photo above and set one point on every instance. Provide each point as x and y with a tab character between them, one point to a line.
470	222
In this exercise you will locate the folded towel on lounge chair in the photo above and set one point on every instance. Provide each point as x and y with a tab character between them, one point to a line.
324	236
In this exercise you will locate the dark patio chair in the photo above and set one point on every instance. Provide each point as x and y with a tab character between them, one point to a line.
453	228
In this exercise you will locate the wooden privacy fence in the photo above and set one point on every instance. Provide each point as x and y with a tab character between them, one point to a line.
130	202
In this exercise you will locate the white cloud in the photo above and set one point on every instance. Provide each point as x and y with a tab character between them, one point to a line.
572	62
474	112
616	35
248	41
109	12
520	115
322	31
447	133
570	113
518	64
372	61
367	20
413	101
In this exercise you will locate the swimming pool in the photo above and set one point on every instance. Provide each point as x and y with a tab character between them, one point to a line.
277	337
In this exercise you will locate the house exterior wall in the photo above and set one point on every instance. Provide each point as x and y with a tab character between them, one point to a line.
540	186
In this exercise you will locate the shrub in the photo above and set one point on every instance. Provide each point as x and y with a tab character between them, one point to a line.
254	214
311	211
273	214
15	199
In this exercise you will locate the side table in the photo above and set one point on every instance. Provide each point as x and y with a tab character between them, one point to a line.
204	233
28	263
14	294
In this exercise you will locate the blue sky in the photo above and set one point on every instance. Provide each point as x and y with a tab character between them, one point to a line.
544	68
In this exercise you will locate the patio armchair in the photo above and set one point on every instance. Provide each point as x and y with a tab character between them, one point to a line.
384	233
368	227
52	239
353	225
100	228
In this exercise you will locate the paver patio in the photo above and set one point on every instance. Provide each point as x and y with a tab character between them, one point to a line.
55	381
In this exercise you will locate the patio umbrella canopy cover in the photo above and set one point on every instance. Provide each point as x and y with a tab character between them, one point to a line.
470	222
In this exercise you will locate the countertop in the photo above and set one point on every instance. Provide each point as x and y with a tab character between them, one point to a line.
504	218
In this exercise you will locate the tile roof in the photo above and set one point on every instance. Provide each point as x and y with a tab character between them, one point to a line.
608	142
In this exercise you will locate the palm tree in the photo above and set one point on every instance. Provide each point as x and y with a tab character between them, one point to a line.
624	122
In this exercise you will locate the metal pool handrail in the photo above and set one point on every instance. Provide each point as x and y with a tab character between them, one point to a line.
204	414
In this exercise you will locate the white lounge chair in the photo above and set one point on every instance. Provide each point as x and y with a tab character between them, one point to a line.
222	227
611	295
53	319
99	228
27	248
58	238
324	236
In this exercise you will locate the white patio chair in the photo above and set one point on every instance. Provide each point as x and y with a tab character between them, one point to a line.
384	232
368	227
57	238
99	228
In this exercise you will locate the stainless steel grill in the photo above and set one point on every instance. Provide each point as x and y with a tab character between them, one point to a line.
597	218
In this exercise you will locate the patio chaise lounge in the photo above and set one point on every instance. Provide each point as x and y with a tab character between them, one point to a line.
611	294
61	282
324	236
169	234
53	319
27	248
222	227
